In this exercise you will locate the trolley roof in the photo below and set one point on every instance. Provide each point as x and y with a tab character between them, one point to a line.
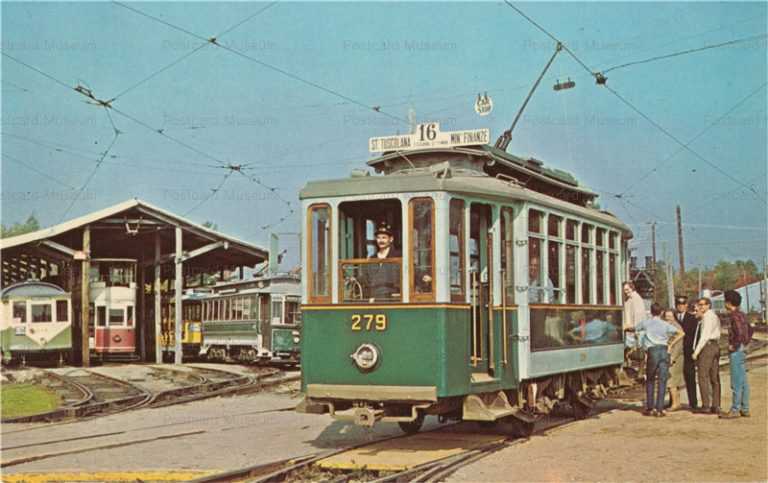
126	230
32	288
464	171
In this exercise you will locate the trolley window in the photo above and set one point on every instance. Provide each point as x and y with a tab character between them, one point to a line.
20	311
101	316
370	251
422	255
42	313
291	312
319	230
535	221
456	249
277	311
263	308
570	274
556	328
116	317
129	315
62	311
507	259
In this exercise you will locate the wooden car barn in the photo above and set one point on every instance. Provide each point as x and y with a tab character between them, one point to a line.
132	252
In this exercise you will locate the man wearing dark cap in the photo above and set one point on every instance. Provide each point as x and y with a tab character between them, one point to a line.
383	279
385	242
688	322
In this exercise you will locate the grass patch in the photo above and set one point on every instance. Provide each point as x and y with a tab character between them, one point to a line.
26	399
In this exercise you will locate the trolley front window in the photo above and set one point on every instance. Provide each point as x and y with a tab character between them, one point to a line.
129	318
116	317
370	251
42	313
319	230
20	311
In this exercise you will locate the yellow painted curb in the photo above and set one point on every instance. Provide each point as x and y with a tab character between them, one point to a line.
112	476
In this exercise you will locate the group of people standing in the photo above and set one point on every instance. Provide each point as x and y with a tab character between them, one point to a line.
693	333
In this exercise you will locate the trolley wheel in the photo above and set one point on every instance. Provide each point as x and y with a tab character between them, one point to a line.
523	429
412	427
581	410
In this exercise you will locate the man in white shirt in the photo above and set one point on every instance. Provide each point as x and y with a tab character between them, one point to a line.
706	353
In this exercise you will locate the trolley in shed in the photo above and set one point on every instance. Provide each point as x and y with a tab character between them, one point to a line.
36	322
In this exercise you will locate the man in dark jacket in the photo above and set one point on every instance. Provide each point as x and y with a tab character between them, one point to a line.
688	322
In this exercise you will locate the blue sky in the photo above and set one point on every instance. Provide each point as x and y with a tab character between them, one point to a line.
432	57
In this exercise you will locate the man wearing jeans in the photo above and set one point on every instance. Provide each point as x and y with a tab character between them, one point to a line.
707	357
738	338
654	335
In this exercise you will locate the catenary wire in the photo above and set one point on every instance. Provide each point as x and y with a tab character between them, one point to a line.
270	66
41	173
685	52
694	138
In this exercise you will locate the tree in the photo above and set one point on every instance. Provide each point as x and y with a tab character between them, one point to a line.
20	228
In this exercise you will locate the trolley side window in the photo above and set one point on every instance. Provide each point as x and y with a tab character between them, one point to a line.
62	311
507	259
129	315
422	253
101	316
586	264
319	230
42	312
456	249
555	249
20	311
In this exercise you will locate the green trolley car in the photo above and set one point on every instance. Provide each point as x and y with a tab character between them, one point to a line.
253	321
498	299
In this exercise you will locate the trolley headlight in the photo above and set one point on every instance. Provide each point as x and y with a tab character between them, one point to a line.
366	356
296	340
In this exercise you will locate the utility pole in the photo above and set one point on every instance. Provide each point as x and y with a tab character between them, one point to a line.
653	244
680	242
669	272
699	280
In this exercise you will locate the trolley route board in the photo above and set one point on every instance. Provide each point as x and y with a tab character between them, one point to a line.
428	135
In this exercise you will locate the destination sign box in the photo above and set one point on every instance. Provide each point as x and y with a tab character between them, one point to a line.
428	135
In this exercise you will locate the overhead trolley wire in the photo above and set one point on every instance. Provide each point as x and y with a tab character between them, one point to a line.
685	52
206	42
686	146
694	138
41	173
213	193
213	40
602	81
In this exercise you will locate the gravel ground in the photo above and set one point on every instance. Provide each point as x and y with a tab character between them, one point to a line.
622	445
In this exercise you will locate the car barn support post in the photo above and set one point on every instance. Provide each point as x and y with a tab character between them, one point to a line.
158	298
85	293
138	312
178	288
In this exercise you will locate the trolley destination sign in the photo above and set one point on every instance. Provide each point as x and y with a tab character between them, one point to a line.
428	135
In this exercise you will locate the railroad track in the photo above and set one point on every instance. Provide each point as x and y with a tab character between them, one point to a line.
307	467
100	394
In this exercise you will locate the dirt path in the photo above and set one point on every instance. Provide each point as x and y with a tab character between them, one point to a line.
622	445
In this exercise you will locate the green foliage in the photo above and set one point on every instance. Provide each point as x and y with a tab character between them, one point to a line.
26	399
20	228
